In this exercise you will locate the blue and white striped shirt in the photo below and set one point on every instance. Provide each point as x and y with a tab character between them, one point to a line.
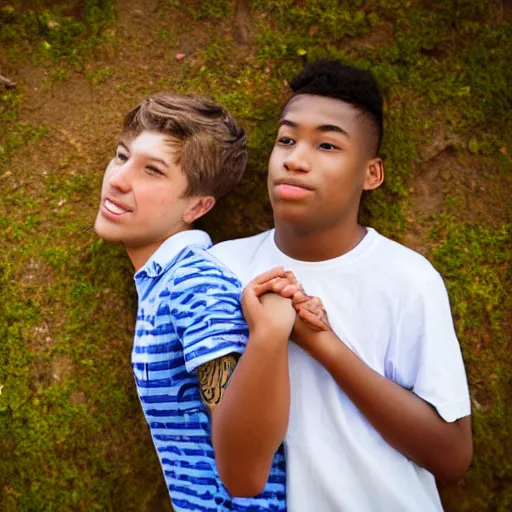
189	313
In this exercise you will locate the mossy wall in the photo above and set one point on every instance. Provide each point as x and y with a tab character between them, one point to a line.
72	436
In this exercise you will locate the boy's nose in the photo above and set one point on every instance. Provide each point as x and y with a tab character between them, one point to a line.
119	178
297	159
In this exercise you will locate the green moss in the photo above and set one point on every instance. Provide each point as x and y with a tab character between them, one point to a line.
320	19
52	35
475	261
201	10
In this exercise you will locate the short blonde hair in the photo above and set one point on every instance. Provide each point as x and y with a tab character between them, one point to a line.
210	148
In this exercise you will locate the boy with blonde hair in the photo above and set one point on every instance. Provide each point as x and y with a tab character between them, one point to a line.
176	156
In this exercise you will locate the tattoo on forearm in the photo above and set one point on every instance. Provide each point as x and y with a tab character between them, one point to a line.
214	377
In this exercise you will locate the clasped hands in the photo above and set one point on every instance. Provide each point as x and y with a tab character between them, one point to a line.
275	300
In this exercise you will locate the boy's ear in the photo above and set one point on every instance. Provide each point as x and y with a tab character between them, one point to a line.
197	207
374	174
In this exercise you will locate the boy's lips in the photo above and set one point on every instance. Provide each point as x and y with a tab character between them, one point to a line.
292	189
114	207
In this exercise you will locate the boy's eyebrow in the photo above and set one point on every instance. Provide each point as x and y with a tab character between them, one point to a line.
285	122
154	159
321	128
332	128
122	143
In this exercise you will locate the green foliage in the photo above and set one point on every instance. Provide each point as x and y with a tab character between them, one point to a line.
14	133
58	387
321	19
56	36
490	86
475	261
61	444
99	76
200	10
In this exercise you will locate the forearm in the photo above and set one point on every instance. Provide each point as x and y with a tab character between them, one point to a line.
404	420
250	421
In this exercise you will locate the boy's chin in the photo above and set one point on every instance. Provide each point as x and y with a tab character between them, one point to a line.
105	232
292	213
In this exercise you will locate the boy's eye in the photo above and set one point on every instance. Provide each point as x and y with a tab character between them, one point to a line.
121	156
154	170
327	145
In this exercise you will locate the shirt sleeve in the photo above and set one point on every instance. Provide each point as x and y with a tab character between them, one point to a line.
207	314
429	359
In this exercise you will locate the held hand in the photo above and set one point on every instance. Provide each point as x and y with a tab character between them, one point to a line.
311	320
286	284
311	311
280	314
266	311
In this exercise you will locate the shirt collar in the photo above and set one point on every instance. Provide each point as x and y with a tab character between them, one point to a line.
170	248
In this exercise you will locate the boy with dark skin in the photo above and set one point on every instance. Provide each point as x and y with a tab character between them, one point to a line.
379	400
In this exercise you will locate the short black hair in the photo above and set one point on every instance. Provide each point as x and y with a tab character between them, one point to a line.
333	79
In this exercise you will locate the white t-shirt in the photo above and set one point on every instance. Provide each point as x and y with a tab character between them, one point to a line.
390	306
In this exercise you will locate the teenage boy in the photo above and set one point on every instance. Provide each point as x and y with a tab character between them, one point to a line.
176	156
379	403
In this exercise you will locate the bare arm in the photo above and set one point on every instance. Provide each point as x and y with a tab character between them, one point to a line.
250	415
405	421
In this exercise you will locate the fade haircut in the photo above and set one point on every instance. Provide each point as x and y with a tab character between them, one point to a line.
333	79
210	148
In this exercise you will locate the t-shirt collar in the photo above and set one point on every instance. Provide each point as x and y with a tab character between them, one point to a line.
170	248
369	238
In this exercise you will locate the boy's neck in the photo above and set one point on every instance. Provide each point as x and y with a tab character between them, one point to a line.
139	256
317	244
